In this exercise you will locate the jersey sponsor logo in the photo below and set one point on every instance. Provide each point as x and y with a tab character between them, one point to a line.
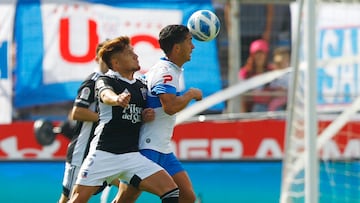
132	113
85	93
167	78
84	174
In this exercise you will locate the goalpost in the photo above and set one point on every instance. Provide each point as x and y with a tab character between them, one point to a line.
318	164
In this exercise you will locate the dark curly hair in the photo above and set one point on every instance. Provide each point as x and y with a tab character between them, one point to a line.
171	35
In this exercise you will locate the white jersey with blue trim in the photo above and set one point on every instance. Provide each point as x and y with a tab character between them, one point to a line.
163	78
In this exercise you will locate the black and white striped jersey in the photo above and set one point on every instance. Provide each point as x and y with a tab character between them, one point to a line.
79	145
119	128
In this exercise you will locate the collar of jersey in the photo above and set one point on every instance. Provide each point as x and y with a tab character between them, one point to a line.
171	63
117	75
99	72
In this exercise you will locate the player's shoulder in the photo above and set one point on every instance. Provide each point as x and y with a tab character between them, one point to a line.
96	75
140	77
159	71
108	75
91	79
88	82
161	65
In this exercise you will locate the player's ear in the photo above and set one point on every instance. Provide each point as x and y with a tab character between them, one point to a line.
114	61
177	47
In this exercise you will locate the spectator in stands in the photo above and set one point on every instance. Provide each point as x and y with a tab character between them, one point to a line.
281	60
256	22
270	22
256	63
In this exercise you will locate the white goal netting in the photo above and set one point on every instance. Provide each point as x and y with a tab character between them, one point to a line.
337	136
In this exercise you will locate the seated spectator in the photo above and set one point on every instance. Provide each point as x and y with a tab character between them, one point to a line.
281	60
257	63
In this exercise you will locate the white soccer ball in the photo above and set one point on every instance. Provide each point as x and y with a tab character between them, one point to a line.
204	25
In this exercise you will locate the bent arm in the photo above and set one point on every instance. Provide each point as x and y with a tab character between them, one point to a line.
111	98
83	114
173	104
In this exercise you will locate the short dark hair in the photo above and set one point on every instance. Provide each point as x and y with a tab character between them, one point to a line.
171	35
111	47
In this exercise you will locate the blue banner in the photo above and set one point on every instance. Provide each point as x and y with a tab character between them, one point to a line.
45	75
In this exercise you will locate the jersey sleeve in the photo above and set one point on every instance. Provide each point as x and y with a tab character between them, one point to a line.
103	83
86	94
164	83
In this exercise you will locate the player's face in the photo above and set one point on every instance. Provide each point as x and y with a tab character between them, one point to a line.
128	60
186	48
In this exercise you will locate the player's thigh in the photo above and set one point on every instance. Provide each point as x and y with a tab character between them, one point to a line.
82	193
158	183
184	183
127	193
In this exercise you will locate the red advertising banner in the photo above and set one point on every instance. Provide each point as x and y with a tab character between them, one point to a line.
230	139
18	142
224	140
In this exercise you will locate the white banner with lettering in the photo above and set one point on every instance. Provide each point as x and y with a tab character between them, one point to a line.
72	31
338	53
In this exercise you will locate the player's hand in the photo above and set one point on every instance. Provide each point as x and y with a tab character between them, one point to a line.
197	94
148	115
123	99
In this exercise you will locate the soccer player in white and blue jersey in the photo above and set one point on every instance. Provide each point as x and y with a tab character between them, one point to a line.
164	82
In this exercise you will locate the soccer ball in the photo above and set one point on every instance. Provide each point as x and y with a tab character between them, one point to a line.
204	25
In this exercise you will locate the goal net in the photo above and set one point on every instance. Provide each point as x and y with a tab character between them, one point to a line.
337	134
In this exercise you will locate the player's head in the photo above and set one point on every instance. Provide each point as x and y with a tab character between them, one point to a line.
103	67
171	35
118	53
98	47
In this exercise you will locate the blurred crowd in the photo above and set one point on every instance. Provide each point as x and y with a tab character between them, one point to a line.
265	45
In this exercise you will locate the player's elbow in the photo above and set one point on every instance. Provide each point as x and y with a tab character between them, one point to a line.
170	111
72	114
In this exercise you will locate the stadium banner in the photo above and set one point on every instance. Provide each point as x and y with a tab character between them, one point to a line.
210	140
57	44
7	12
338	53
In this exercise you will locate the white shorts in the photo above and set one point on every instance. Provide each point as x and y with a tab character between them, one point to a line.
70	175
101	166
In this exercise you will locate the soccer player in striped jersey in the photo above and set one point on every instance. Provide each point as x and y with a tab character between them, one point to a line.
122	111
85	114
